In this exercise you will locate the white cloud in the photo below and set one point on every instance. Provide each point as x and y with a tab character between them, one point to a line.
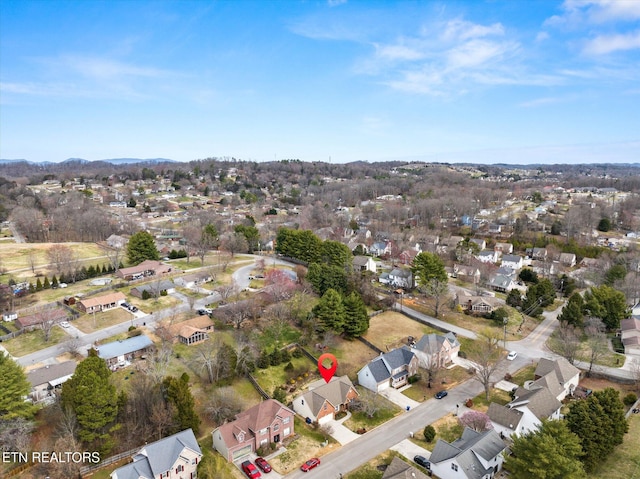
542	36
576	12
475	53
399	52
541	102
603	44
459	29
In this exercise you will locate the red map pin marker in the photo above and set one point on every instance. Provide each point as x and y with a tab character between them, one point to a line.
327	373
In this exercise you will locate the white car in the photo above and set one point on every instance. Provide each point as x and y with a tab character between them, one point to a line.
512	355
64	324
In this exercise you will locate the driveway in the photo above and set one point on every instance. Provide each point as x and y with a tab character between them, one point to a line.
341	433
399	399
410	450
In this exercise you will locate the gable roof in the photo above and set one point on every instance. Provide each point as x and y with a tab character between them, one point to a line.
398	469
156	286
381	366
104	299
51	373
503	415
467	449
125	346
253	419
335	391
158	457
564	369
360	260
541	402
432	343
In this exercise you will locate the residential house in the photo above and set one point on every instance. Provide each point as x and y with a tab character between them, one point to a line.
630	335
118	353
265	423
153	289
504	248
478	304
145	269
323	400
539	254
101	303
364	263
116	241
46	380
193	280
475	455
384	278
174	457
506	271
568	259
487	256
559	375
401	278
399	469
391	369
45	315
495	228
192	331
466	273
544	269
407	256
380	248
526	412
501	283
482	244
436	349
513	261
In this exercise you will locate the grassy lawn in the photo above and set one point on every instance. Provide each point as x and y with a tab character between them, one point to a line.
153	304
624	461
34	341
446	378
351	356
386	410
524	374
15	256
499	396
309	442
87	323
390	330
274	376
609	358
369	470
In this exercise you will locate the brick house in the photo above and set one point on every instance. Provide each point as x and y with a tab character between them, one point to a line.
323	400
101	303
267	422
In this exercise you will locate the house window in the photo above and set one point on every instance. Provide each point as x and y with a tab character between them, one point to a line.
286	420
454	467
263	431
276	427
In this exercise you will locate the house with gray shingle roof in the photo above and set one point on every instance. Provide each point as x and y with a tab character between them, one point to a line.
174	456
560	376
391	369
398	469
323	400
436	349
475	455
265	423
363	263
117	352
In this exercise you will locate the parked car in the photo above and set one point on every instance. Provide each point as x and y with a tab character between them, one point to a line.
64	324
512	355
125	305
441	394
62	285
263	464
422	461
202	312
310	464
133	309
250	469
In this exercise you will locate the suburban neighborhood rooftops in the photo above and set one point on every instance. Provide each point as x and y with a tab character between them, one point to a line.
53	372
104	299
125	346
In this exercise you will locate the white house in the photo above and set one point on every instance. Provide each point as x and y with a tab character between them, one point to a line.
391	369
401	278
475	455
487	256
364	263
559	375
513	261
175	456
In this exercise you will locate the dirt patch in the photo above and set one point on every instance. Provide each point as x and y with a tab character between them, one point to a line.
298	451
598	384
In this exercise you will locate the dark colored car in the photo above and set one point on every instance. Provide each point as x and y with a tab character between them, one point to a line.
250	470
263	464
422	461
441	394
310	464
133	309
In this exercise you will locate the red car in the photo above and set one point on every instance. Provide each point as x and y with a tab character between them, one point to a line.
310	464
250	470
263	464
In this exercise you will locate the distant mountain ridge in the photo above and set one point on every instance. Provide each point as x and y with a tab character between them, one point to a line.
113	161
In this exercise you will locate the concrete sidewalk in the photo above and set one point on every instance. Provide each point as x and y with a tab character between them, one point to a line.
410	450
399	399
341	433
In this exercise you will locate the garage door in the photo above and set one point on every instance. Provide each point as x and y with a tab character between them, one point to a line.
240	453
325	419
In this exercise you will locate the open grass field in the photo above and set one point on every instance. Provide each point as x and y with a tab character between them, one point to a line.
88	323
390	330
33	341
16	257
351	356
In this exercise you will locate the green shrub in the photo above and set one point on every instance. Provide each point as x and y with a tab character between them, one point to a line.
146	294
630	399
429	433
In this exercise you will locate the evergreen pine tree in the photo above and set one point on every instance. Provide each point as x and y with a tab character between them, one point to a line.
46	284
54	282
356	318
38	285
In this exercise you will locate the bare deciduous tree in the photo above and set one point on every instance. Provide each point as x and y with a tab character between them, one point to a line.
487	356
223	405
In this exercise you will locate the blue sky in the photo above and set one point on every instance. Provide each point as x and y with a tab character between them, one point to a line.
511	81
